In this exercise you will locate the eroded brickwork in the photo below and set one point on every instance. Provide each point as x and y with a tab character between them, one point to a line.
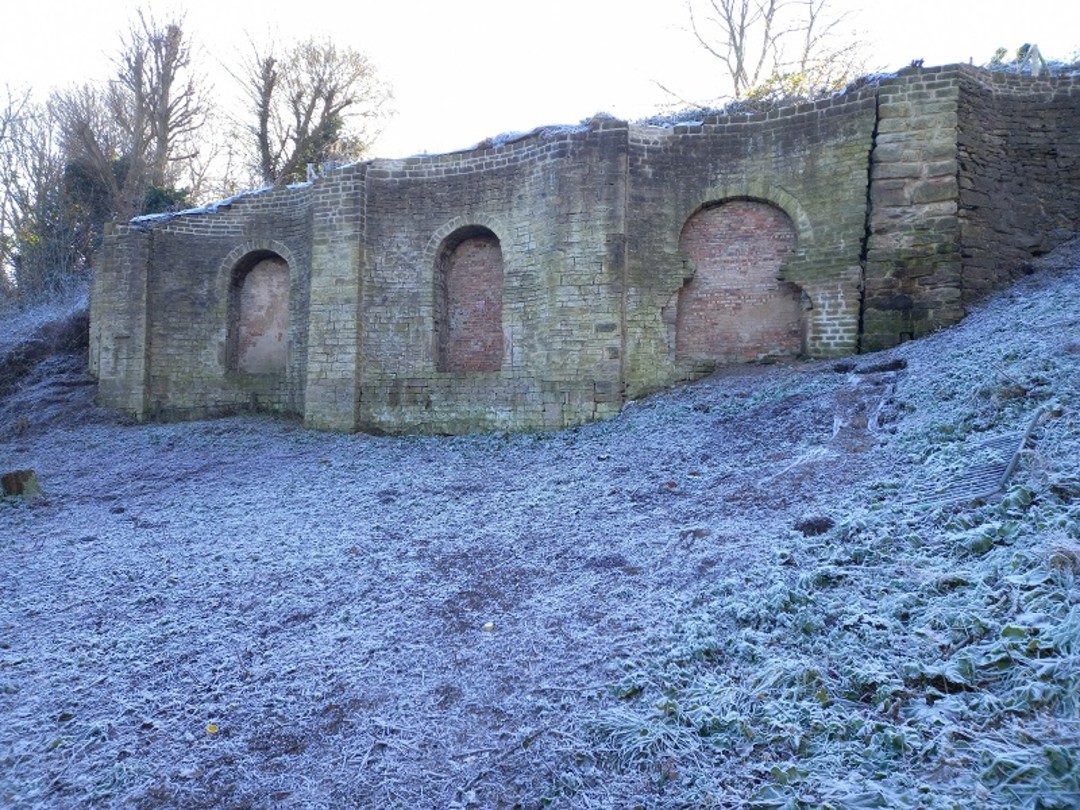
541	281
470	334
736	309
262	320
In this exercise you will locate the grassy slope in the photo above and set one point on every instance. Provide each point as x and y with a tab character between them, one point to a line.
734	594
913	655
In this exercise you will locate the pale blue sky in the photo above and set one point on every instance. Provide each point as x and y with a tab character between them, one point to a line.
468	69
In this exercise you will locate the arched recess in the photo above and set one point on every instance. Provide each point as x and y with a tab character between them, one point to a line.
734	307
259	313
469	301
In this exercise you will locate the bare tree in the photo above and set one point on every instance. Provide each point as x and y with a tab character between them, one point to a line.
96	152
105	144
163	95
42	233
136	134
317	101
15	106
776	47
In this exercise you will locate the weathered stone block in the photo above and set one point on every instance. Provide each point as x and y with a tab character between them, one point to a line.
935	190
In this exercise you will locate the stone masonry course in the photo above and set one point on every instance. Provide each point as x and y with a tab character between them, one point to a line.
544	280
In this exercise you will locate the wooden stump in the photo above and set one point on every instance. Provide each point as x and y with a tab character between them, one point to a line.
20	483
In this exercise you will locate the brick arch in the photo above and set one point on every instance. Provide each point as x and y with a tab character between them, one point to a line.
468	301
761	191
435	244
734	306
258	296
234	257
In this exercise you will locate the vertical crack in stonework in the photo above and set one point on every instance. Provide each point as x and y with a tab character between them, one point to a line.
864	251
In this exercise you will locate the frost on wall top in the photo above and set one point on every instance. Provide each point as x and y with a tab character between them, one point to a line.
541	281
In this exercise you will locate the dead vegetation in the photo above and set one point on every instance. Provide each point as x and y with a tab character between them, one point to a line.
43	376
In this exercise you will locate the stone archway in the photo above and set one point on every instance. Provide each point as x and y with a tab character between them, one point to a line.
735	308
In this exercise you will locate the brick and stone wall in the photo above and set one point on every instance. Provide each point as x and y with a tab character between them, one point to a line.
541	281
550	202
809	162
736	309
165	309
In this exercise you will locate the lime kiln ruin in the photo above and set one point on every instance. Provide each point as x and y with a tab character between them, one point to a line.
542	281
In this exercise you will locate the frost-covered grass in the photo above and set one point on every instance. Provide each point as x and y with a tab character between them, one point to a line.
898	662
242	613
43	378
910	656
22	320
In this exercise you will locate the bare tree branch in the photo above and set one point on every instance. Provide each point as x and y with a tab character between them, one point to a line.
754	40
315	100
